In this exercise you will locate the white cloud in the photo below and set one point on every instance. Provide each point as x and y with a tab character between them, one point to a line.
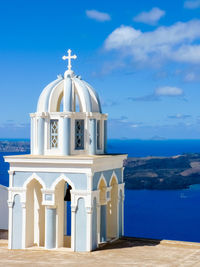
192	4
151	17
99	16
173	43
122	37
168	91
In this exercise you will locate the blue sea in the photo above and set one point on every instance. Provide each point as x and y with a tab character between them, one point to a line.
160	214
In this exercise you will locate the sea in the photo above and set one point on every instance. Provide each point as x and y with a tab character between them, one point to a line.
159	214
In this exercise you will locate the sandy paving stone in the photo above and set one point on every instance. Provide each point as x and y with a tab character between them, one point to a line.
125	252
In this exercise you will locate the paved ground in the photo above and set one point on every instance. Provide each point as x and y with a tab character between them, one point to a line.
125	252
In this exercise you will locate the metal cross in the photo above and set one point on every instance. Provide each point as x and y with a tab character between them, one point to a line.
69	57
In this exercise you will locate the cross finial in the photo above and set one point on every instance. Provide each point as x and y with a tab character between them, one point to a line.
69	57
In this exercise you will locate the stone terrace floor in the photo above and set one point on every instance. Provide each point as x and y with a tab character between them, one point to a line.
123	252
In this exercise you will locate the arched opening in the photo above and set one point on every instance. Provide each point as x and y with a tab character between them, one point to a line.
77	106
102	191
35	215
76	103
60	103
112	210
67	215
63	213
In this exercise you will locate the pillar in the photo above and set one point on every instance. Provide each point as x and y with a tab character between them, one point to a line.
73	229
105	136
23	225
40	136
10	219
94	225
89	228
67	96
66	136
32	135
50	228
93	137
103	219
98	222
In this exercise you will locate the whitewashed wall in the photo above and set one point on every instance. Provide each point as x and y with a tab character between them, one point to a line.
3	207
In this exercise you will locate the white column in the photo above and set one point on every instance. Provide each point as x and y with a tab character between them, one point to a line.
66	136
73	227
11	176
23	204
10	207
89	228
40	136
93	136
98	223
50	227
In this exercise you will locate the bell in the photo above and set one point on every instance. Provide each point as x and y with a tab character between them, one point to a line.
68	195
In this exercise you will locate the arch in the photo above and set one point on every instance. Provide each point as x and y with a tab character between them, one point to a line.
84	95
35	212
102	187
77	102
100	179
96	105
32	177
113	177
55	97
60	98
64	178
43	102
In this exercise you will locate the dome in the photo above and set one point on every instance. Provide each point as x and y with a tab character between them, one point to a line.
67	88
68	120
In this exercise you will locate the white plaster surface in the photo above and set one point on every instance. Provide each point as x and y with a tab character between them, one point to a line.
3	207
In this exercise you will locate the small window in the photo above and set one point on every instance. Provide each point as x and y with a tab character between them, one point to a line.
79	134
54	133
98	135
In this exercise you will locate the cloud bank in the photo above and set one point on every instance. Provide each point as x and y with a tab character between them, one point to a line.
179	42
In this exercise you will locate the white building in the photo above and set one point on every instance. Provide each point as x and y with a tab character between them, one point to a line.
3	208
68	164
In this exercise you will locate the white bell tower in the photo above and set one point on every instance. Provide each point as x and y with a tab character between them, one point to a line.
68	192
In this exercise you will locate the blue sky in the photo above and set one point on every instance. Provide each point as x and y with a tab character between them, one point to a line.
143	58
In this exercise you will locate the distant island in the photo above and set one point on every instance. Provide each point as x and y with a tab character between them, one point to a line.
14	146
162	173
158	173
